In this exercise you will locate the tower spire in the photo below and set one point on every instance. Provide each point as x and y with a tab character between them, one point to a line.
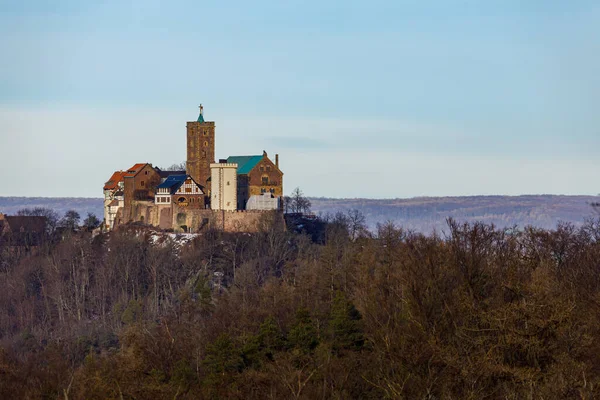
201	116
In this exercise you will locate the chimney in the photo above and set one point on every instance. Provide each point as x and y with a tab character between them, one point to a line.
277	160
264	153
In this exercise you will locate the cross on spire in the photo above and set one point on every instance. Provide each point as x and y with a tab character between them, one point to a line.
201	116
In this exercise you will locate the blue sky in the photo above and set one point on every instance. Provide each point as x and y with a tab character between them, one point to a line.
360	99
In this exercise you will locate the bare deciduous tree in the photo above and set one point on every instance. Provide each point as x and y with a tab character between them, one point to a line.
176	167
297	202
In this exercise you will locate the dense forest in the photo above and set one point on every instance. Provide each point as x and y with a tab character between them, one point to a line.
477	312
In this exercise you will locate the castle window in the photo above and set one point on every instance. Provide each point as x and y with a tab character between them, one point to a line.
188	190
227	183
268	168
265	180
142	183
205	144
263	190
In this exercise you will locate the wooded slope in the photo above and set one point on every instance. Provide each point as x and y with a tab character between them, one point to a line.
480	313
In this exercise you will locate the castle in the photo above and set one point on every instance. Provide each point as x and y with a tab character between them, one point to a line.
230	194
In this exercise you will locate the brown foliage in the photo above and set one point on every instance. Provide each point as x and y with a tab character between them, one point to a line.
477	313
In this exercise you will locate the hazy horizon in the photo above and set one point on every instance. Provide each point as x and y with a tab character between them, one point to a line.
391	99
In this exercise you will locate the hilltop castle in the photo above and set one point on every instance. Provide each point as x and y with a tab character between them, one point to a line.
230	194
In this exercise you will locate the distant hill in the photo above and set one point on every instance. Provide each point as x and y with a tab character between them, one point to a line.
83	205
422	214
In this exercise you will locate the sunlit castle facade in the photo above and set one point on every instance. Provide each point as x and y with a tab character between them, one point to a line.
184	199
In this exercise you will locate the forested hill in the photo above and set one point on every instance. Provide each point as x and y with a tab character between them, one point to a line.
83	205
422	214
479	313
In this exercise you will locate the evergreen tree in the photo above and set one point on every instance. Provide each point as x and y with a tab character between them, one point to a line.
303	335
270	337
222	356
345	324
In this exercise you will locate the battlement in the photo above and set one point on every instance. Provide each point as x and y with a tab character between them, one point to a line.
205	123
246	211
223	165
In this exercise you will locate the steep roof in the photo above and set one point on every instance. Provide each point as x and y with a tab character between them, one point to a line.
114	180
174	182
167	173
133	171
245	163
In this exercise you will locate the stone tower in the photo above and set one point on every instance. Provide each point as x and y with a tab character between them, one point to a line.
200	150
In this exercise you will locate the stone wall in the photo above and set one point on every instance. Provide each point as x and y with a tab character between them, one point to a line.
193	220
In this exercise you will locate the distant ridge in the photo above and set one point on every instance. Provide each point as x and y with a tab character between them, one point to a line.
424	214
421	214
83	205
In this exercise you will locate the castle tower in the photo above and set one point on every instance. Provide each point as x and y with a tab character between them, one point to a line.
200	150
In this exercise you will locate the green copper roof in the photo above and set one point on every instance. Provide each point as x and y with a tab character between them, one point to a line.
245	163
200	118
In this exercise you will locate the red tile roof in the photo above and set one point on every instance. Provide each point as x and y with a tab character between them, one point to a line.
114	180
134	170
